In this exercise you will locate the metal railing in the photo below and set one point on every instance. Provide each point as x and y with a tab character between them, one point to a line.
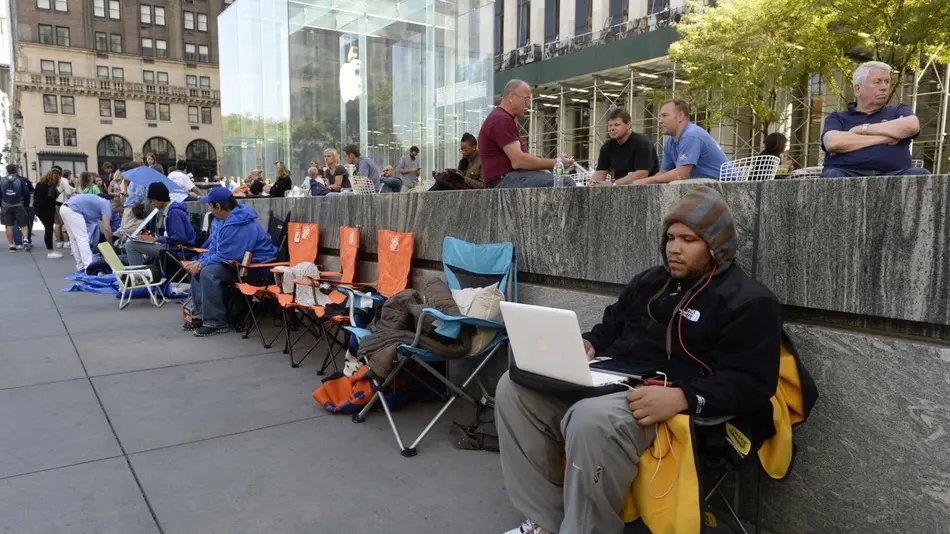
572	43
121	87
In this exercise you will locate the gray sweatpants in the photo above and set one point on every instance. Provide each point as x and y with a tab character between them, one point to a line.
602	443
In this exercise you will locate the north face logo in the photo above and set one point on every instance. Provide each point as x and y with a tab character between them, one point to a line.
690	314
394	244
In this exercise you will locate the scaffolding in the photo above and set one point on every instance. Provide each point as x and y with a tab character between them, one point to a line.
570	117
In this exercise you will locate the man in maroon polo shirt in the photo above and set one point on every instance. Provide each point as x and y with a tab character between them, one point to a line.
505	158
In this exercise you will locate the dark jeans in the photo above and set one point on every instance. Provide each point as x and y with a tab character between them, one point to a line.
838	172
209	292
524	179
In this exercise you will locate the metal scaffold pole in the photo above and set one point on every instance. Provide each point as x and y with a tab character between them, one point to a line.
561	119
592	133
942	127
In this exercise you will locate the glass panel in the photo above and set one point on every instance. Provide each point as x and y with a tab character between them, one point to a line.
49	104
113	146
383	75
61	5
146	12
164	112
65	68
150	114
159	16
62	36
202	22
46	34
118	74
189	20
191	80
193	114
52	136
120	109
148	76
69	137
99	8
163	78
116	43
161	48
114	9
105	107
102	73
102	42
68	105
42	4
47	67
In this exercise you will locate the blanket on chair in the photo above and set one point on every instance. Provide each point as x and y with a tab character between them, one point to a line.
396	325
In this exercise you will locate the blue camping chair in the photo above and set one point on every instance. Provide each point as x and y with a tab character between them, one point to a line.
465	265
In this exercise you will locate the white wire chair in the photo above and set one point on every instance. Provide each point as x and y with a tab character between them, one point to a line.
363	185
806	172
750	169
582	177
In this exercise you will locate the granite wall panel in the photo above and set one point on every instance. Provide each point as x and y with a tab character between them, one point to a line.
867	246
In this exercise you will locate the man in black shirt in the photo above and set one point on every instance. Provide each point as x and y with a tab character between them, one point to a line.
631	156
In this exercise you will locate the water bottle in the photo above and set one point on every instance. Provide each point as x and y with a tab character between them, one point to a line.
558	172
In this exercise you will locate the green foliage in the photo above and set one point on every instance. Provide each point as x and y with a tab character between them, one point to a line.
744	54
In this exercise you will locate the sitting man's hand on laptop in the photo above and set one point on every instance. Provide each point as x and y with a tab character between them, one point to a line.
589	349
655	404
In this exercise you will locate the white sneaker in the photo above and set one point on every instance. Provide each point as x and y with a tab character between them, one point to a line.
528	527
54	255
19	247
64	244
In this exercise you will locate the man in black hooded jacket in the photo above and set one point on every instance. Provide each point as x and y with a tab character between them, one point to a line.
699	319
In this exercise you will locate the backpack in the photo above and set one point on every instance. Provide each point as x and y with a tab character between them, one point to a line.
11	191
349	394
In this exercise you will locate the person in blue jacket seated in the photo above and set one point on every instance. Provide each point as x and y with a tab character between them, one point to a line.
211	276
177	228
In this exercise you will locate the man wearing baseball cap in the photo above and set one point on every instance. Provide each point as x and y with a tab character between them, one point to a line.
211	276
176	228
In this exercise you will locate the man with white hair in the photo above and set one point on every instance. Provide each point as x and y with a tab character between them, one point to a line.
870	138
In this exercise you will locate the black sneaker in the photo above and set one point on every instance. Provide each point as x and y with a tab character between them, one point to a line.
206	331
193	325
28	246
12	248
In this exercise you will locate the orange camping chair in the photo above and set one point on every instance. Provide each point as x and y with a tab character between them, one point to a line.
394	255
253	286
314	318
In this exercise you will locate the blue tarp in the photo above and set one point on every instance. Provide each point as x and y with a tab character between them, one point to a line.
106	284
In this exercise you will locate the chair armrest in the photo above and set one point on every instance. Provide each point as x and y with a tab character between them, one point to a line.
259	265
485	323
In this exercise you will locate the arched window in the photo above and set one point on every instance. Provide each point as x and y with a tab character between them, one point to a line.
114	147
161	147
199	149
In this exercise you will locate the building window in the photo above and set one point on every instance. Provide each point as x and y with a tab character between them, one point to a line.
148	76
62	36
193	114
147	49
46	34
120	109
146	14
114	9
161	48
49	104
99	8
499	25
102	72
69	137
105	107
205	115
68	105
60	5
65	68
552	19
524	21
162	78
118	74
205	82
191	80
102	42
52	136
116	43
159	16
47	66
164	112
42	4
657	6
202	22
204	55
150	114
190	52
189	20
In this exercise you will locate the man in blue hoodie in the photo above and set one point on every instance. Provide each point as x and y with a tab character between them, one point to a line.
177	228
211	276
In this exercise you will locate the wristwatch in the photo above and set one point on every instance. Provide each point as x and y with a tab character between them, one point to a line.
864	129
700	404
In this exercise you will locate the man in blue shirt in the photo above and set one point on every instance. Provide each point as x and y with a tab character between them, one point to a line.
176	228
83	216
871	138
211	276
689	151
365	166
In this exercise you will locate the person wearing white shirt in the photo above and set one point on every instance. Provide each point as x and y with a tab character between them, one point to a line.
184	181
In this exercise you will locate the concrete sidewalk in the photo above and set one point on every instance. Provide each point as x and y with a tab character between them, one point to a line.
121	422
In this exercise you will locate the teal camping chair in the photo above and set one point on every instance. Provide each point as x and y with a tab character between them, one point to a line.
465	265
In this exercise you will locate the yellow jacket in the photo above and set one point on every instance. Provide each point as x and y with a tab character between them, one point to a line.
666	493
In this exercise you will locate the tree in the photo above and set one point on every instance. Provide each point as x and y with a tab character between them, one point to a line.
743	55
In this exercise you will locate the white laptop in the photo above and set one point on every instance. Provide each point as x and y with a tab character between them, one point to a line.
138	229
547	342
